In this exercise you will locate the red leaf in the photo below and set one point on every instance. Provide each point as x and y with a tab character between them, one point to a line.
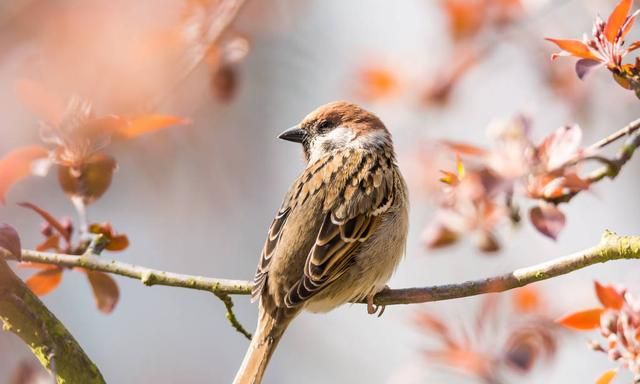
548	220
62	230
487	242
528	344
438	236
118	243
51	242
583	320
609	296
607	376
16	165
105	290
10	241
148	123
617	19
437	327
574	47
90	180
584	66
224	83
40	102
45	281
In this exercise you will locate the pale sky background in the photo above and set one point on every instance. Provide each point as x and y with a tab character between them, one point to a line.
199	199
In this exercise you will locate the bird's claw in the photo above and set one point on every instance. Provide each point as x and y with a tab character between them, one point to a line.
372	308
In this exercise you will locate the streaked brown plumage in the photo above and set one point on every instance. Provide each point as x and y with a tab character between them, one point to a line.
340	231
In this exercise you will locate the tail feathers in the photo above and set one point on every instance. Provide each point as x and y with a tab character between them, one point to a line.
270	329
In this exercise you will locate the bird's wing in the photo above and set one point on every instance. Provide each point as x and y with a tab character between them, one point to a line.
353	205
275	230
308	184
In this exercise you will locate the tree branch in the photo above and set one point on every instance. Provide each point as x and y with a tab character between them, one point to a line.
626	131
611	247
147	276
625	153
22	313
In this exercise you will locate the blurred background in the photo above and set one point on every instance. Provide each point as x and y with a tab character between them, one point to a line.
199	198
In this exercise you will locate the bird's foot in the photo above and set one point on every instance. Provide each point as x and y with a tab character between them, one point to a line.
372	308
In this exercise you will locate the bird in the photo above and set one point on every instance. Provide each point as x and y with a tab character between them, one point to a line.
340	232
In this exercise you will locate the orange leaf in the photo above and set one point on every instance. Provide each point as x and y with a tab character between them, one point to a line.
609	296
45	281
16	165
40	102
464	148
574	47
635	45
51	242
377	83
149	123
115	242
617	19
526	299
583	320
118	243
465	360
607	376
105	291
465	17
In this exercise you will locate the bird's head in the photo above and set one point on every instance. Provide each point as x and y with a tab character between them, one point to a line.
338	125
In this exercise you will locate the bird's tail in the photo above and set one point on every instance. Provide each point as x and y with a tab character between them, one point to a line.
270	329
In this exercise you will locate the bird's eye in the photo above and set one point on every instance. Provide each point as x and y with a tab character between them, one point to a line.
324	126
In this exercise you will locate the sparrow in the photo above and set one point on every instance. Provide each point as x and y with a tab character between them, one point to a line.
340	231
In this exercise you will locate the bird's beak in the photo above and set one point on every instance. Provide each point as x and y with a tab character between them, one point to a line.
295	134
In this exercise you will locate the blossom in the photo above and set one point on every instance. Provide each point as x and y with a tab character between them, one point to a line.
618	320
606	46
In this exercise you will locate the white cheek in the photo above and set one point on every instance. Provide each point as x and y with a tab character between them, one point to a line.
340	136
337	138
374	138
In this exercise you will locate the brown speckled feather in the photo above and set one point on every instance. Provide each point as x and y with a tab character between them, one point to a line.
350	204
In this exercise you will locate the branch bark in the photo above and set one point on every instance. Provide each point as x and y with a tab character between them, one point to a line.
22	313
611	247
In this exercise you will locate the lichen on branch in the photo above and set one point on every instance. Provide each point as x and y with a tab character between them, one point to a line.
22	313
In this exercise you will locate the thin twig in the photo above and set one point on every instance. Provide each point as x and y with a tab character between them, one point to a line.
626	131
612	169
231	316
611	247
